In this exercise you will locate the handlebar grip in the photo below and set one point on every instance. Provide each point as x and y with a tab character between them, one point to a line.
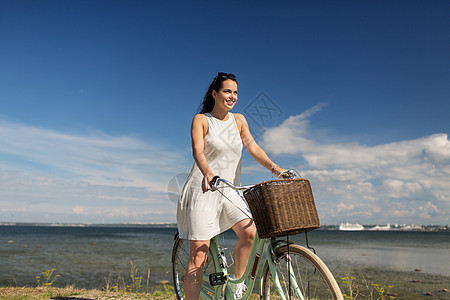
214	180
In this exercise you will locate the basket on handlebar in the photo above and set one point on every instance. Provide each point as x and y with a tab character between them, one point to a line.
281	207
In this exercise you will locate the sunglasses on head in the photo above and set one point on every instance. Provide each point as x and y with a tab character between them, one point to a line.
223	76
227	75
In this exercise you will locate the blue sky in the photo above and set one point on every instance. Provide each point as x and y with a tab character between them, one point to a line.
96	100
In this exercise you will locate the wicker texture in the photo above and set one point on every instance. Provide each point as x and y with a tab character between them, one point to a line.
281	207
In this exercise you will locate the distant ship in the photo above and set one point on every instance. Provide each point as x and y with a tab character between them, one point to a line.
351	227
381	228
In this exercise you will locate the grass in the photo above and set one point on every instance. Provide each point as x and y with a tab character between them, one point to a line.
70	293
129	287
41	293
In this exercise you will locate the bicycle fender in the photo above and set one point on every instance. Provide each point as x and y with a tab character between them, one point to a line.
280	244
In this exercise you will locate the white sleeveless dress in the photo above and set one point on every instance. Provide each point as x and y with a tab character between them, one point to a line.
201	216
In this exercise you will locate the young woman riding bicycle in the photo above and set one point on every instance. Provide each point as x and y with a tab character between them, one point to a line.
218	137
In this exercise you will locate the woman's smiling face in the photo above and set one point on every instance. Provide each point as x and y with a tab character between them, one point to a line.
227	96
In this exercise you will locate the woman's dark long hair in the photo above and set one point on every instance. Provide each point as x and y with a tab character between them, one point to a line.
208	100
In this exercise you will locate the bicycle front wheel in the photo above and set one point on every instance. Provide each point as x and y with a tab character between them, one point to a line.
309	277
180	259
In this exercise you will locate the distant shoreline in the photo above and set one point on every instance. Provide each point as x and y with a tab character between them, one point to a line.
148	225
422	228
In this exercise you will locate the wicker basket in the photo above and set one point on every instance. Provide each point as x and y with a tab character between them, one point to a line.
281	207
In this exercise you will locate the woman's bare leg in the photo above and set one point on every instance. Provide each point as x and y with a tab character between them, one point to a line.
194	271
245	231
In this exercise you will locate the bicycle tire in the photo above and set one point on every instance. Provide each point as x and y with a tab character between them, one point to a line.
180	258
314	279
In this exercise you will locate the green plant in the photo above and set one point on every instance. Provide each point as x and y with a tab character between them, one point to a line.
163	290
383	291
351	287
47	278
136	281
371	291
132	284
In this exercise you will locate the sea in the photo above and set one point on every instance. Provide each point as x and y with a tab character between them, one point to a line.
93	257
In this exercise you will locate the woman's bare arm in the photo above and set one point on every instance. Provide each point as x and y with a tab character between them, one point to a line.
253	148
199	129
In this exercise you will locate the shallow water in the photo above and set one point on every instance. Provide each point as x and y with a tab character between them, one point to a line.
393	250
85	256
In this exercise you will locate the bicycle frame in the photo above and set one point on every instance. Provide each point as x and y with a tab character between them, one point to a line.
252	268
250	274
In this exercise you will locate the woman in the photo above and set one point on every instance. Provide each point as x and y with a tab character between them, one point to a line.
217	140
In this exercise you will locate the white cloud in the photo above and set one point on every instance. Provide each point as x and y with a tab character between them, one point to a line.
428	210
396	188
381	182
342	207
64	176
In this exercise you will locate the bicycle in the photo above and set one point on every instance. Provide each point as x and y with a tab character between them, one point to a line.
284	270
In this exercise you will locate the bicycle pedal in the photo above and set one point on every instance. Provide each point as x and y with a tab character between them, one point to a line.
217	279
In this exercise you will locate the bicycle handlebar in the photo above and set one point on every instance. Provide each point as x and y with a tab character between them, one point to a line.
216	180
287	174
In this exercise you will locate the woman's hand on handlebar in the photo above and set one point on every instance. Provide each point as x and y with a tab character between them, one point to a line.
277	170
286	173
207	182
